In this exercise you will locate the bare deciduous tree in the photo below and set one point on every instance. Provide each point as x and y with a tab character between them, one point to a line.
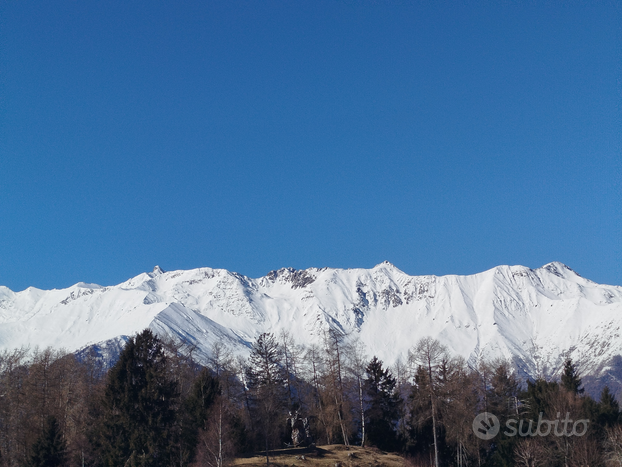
356	363
613	446
334	348
215	440
429	354
313	368
291	356
531	453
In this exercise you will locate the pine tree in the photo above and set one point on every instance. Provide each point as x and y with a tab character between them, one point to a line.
383	411
502	400
420	425
49	450
195	410
608	409
137	413
570	378
539	397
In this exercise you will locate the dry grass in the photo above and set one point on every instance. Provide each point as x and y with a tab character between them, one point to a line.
334	455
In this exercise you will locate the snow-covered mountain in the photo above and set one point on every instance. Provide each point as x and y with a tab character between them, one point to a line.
535	317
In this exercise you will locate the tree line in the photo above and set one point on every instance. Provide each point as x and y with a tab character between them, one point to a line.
157	407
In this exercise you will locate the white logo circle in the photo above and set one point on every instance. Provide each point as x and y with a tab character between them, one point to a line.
486	426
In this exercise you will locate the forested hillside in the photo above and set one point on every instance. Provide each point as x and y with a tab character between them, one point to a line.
157	407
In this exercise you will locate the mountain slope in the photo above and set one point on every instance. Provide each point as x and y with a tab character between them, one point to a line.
534	316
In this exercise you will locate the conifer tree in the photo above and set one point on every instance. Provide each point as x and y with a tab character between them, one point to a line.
50	449
195	410
502	400
383	410
570	378
420	414
539	397
137	414
608	409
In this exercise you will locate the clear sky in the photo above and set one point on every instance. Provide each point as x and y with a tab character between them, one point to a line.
444	137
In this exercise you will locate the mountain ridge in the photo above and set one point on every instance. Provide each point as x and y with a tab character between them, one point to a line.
534	317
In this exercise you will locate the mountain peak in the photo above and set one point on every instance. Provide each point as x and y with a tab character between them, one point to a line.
559	269
387	265
158	270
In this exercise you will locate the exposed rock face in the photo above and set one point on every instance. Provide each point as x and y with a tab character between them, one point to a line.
298	278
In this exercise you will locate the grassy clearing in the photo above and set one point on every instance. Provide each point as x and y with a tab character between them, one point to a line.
334	455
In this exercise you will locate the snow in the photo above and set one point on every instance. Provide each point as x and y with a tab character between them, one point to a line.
535	317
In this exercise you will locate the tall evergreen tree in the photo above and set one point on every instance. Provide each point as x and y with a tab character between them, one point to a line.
384	403
420	427
50	449
502	400
137	408
194	413
539	397
570	378
608	409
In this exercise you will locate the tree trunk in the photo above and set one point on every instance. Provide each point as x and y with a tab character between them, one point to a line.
267	456
434	431
362	413
319	403
343	428
340	403
431	381
219	462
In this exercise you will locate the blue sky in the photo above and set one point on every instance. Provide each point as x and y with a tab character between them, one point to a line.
445	137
